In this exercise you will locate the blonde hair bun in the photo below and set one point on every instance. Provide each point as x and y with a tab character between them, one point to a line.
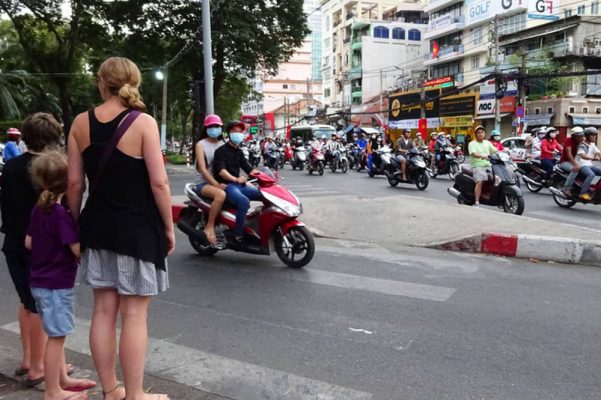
122	78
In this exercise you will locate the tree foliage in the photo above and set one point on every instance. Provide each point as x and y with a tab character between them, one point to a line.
63	45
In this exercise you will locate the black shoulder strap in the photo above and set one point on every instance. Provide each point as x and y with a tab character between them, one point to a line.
112	145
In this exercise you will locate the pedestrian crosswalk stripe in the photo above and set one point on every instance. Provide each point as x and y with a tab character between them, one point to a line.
220	375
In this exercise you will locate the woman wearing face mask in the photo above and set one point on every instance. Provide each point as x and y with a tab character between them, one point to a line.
548	147
207	185
495	139
372	146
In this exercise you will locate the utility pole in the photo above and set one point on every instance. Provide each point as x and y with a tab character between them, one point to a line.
164	112
207	55
381	89
497	72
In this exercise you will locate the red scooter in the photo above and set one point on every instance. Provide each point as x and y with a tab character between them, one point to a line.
276	220
317	161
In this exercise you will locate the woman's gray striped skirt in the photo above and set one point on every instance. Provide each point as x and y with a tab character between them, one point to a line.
104	269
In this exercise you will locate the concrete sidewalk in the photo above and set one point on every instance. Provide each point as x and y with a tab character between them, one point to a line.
432	223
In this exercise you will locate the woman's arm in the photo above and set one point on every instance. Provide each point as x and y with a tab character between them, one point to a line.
159	183
202	165
76	176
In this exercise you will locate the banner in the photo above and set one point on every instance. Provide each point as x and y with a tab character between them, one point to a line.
486	106
483	10
407	105
456	122
453	106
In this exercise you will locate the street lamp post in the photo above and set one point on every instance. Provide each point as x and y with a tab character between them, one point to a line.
162	75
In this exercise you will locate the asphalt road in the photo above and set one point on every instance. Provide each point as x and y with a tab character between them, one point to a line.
362	322
538	205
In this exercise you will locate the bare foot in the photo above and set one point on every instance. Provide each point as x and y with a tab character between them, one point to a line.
77	385
66	395
116	394
154	396
210	233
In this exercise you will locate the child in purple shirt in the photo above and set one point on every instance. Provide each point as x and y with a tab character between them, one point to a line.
53	240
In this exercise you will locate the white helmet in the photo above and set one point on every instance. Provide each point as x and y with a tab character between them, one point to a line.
577	130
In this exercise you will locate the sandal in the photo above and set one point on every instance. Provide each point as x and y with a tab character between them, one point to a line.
111	391
81	387
211	237
21	371
30	383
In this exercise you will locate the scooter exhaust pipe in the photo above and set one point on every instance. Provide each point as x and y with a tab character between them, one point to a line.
558	192
454	192
192	232
531	181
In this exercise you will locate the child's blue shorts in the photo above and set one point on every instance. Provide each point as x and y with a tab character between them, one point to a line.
55	306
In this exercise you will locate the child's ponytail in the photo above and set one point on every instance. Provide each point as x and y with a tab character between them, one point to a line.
49	172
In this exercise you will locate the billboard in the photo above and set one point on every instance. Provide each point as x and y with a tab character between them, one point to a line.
483	10
407	105
543	9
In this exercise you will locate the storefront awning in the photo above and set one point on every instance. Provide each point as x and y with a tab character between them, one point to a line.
490	116
586	119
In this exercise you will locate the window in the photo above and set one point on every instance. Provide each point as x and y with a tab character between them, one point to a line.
537	111
567	13
477	37
572	110
414	34
595	7
598	110
327	93
585	110
346	59
549	110
475	62
513	24
381	32
398	33
581	9
284	86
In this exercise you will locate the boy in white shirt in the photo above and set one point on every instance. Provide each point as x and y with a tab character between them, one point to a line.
587	152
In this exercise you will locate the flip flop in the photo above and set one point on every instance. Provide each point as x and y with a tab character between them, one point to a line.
80	388
21	371
29	383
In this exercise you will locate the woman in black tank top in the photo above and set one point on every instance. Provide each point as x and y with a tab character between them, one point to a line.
126	225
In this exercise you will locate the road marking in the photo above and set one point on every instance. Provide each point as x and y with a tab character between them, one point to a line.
384	286
220	375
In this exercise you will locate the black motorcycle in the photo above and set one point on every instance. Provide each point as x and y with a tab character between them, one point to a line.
447	164
500	190
272	159
565	200
534	176
416	170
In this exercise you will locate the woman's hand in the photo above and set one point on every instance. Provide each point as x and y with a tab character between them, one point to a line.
170	235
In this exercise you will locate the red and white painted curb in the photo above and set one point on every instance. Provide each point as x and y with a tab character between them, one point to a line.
543	248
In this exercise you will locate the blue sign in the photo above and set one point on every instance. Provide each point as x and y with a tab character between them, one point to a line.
542	16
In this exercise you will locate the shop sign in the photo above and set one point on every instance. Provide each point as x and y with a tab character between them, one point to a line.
543	9
440	22
538	119
414	123
459	121
507	104
407	105
445	81
486	106
586	120
454	106
488	88
482	10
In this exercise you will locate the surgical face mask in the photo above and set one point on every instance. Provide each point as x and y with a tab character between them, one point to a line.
373	136
214	132
552	135
541	135
236	137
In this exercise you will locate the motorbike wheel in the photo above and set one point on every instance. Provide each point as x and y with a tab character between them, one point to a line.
563	203
371	173
531	187
297	242
461	158
320	169
422	181
344	167
432	173
392	181
310	170
333	166
513	204
198	222
453	170
282	163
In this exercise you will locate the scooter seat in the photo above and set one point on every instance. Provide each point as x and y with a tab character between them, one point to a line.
466	169
535	161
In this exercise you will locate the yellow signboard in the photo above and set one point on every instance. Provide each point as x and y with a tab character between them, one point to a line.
463	120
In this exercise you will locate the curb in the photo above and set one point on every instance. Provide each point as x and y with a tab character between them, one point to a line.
543	248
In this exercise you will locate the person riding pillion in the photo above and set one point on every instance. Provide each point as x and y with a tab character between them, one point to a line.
480	151
229	159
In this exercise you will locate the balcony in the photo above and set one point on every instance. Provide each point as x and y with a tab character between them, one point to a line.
357	42
445	54
435	5
355	72
444	25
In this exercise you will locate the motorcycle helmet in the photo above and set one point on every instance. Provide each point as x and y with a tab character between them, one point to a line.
590	131
234	124
577	130
214	119
478	128
433	135
495	135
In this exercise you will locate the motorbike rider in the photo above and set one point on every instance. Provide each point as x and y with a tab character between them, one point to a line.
207	185
535	144
439	146
568	160
495	139
228	161
403	145
361	141
12	149
372	146
316	144
419	141
587	153
480	150
549	146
